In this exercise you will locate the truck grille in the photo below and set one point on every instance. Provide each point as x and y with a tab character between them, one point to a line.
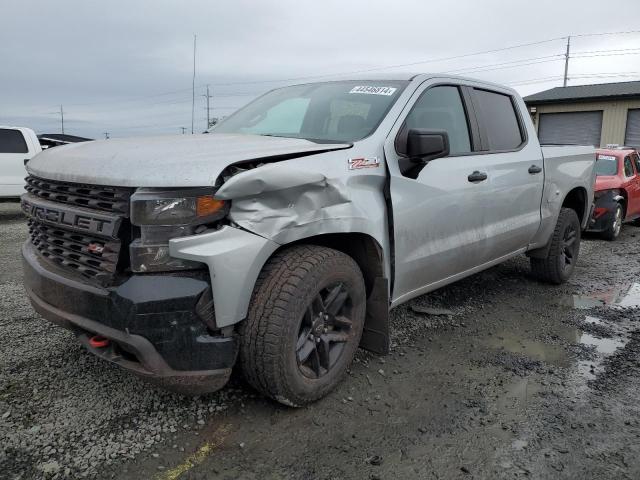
106	199
63	225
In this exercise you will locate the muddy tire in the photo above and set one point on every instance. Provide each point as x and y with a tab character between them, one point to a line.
561	259
613	231
304	324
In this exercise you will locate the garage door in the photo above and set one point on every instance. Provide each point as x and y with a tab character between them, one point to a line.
632	138
570	128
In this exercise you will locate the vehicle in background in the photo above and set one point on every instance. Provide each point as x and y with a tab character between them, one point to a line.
617	190
283	237
48	140
17	146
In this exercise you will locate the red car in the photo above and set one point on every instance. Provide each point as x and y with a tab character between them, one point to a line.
617	190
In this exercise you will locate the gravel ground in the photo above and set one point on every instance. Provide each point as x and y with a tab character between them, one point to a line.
512	379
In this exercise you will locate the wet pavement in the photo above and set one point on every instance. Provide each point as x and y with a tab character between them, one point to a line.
496	376
511	378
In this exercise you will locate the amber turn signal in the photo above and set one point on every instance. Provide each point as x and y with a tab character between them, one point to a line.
207	205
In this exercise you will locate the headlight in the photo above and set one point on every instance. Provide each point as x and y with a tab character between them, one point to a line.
172	207
166	214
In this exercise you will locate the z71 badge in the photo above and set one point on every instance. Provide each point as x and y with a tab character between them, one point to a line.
356	163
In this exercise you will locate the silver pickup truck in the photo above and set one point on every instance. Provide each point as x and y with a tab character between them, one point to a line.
283	237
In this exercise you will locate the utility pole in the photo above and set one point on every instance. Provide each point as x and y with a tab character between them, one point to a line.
193	85
106	135
207	96
566	61
183	130
62	118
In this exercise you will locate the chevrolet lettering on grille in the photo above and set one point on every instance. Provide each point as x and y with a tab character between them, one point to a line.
71	218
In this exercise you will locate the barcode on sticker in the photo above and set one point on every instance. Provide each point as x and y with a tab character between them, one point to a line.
369	90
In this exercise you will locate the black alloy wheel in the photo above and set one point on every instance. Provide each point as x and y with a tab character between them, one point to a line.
324	331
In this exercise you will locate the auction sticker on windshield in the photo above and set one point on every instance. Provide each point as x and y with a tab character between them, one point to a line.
370	90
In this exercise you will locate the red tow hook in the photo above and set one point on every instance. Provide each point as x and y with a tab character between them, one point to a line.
98	341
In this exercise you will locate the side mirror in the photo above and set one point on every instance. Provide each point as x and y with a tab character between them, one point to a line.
424	145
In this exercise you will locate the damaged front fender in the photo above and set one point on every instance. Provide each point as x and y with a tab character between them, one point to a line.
286	205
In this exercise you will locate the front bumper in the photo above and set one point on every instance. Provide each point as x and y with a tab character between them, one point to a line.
152	321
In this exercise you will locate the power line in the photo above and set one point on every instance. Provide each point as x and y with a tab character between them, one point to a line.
605	33
441	59
193	85
468	70
606	55
256	82
400	65
489	67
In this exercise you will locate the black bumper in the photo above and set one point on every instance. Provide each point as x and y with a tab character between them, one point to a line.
602	221
151	321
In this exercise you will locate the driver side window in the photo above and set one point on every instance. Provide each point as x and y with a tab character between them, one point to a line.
441	108
628	167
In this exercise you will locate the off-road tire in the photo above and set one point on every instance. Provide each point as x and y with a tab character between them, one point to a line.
284	289
613	231
553	268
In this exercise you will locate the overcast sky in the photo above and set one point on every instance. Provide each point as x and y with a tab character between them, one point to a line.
125	67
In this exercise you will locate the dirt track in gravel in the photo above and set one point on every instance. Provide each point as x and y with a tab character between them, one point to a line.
522	380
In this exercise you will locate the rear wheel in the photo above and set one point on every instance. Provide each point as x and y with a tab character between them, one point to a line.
613	230
561	259
304	324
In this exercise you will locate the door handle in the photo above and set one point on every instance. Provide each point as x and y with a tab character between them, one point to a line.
533	169
477	177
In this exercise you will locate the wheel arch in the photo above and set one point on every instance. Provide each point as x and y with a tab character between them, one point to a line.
363	248
577	200
369	256
624	202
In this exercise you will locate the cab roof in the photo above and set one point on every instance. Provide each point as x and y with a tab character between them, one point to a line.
417	77
615	152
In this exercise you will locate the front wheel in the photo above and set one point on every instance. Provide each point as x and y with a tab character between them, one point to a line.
561	259
304	324
613	230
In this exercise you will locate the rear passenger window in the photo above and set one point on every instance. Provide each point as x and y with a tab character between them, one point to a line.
12	141
499	119
628	167
440	108
636	161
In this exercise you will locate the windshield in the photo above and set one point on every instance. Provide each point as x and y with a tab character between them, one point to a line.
606	165
322	112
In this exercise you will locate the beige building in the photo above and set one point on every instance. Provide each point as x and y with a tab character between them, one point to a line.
598	115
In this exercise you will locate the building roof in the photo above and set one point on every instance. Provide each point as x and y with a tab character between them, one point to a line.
583	93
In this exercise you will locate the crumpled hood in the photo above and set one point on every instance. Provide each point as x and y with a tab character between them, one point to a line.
166	161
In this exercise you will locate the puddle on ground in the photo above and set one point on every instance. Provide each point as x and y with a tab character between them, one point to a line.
556	354
605	347
593	320
511	342
621	296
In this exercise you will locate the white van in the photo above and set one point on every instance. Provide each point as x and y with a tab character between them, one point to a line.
17	146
